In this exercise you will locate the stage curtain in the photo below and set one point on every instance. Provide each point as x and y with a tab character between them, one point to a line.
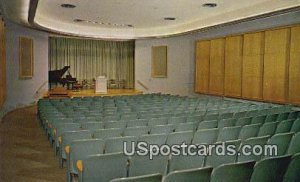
91	58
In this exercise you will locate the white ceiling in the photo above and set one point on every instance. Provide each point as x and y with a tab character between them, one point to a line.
146	16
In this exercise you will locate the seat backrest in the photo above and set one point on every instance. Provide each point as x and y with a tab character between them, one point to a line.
116	144
136	131
270	169
294	145
243	121
283	116
284	126
208	124
116	124
107	133
207	136
157	121
144	178
233	172
103	167
218	155
258	119
292	172
282	141
180	137
191	126
176	120
249	131
210	117
229	133
294	115
162	129
255	141
181	162
271	118
226	122
296	126
142	165
267	129
202	174
157	139
81	149
137	122
92	125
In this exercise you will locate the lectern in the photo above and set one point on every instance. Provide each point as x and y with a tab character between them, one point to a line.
101	84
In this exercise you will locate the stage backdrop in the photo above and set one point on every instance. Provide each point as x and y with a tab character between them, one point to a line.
91	58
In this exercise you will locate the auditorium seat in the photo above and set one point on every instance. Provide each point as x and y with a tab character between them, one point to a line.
158	139
207	136
191	126
282	141
142	165
270	169
243	121
182	162
271	118
294	146
176	120
116	124
79	150
208	124
233	172
226	123
228	133
292	172
137	122
267	129
294	115
136	131
158	121
283	116
190	175
162	129
249	131
180	137
67	138
92	125
296	126
216	159
284	126
258	119
102	168
255	141
116	144
107	133
144	178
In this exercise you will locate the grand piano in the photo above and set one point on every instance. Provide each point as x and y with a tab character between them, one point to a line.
55	76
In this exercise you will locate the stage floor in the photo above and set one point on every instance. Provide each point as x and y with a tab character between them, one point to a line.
91	93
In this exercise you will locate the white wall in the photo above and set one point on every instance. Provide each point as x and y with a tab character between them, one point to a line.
22	92
181	54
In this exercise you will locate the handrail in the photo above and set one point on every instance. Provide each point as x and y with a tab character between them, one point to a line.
143	85
42	85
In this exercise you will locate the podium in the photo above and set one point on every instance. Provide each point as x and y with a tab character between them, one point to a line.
101	85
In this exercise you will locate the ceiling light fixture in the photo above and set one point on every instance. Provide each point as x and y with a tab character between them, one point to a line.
78	20
169	18
209	5
67	5
103	23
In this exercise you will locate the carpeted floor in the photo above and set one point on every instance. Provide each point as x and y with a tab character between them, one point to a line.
25	153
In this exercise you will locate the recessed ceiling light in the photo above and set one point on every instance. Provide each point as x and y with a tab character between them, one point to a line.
209	5
67	5
169	18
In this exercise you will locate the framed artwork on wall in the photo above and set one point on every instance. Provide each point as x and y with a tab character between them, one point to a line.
159	61
25	58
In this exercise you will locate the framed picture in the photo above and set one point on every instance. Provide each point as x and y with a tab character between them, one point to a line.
26	58
159	61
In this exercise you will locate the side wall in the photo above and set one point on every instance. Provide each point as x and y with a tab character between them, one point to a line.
181	54
21	92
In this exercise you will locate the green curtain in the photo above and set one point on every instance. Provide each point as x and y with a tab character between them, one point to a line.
91	58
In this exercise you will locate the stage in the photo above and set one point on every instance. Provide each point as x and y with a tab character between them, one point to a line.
61	92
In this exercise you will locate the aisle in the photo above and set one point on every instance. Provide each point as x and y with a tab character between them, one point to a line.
25	153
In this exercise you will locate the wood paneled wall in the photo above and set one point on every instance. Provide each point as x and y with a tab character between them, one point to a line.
261	65
2	63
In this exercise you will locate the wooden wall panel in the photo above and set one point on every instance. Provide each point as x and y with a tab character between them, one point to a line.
275	64
216	65
202	66
294	68
233	66
252	75
2	64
